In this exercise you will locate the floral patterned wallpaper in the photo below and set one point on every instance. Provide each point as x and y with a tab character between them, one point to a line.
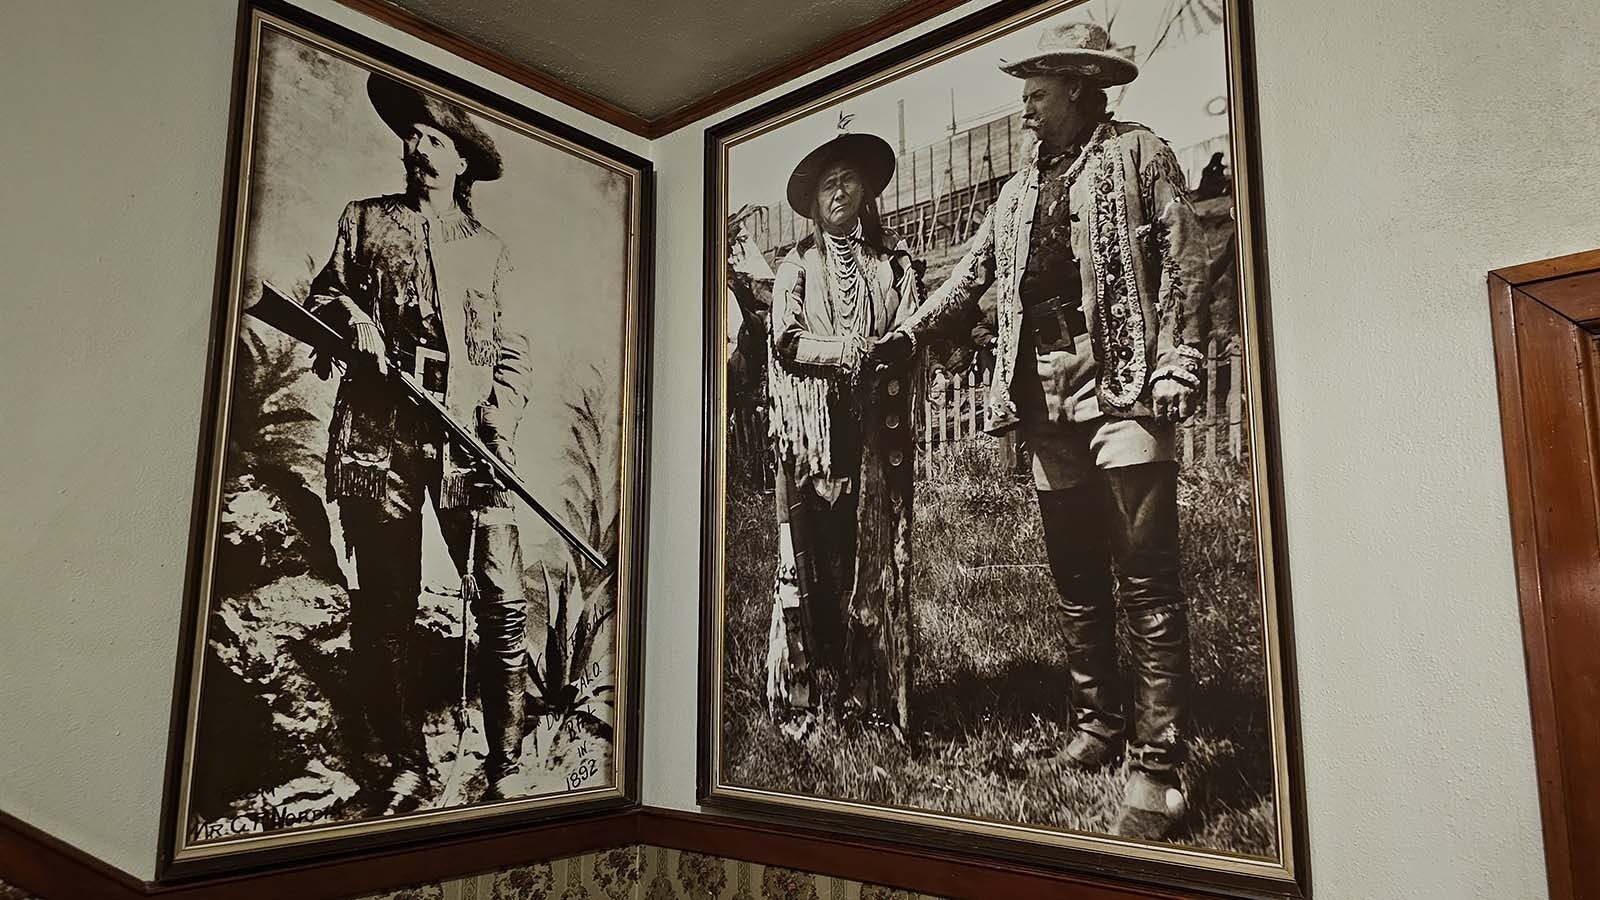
649	873
607	875
674	875
631	873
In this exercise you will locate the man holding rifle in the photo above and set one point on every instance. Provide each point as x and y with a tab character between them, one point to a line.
415	282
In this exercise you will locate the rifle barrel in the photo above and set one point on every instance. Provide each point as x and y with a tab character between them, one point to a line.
276	309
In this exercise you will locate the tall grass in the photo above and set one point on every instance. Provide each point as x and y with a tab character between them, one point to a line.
990	706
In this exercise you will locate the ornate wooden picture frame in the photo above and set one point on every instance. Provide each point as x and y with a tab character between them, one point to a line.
417	569
908	632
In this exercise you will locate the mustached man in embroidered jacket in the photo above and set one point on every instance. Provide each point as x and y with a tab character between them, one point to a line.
416	281
841	426
1100	265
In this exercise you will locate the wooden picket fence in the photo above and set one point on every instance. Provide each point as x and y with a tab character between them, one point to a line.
951	413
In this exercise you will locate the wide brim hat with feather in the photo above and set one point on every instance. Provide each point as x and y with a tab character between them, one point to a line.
871	155
1076	48
401	106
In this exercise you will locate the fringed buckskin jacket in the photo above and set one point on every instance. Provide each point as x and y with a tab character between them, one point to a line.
391	266
1142	257
812	352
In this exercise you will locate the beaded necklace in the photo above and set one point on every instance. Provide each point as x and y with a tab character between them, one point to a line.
846	292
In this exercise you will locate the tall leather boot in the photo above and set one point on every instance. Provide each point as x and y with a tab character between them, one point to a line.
382	618
1145	547
501	613
503	723
1080	562
408	749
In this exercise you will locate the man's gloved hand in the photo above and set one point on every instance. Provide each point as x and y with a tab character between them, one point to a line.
483	476
892	349
366	340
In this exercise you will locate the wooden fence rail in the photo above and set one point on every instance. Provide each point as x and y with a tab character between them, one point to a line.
950	415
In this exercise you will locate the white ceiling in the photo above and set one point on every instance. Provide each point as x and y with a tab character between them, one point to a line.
649	58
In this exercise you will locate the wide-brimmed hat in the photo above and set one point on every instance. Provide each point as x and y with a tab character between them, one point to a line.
1076	48
402	106
871	155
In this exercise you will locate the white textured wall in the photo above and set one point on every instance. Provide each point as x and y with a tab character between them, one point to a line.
113	133
1408	148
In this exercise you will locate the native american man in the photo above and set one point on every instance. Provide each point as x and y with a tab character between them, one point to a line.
841	429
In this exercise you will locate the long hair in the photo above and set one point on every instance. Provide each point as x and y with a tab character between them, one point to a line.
463	194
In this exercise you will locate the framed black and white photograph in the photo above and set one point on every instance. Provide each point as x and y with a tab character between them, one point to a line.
417	565
992	553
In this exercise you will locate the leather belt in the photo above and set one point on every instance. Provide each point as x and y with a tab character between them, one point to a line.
1055	323
428	364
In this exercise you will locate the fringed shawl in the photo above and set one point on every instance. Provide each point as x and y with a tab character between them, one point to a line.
798	416
801	396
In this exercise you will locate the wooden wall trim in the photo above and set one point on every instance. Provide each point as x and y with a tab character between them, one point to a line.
888	25
1544	366
1544	269
859	38
1503	303
941	873
45	865
500	64
55	870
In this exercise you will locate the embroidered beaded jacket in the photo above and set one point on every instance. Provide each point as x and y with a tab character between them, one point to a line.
1141	255
420	281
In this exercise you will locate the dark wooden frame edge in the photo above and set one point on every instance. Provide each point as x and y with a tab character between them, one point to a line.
167	867
1096	864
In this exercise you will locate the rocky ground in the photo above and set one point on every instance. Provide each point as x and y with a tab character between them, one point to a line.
282	738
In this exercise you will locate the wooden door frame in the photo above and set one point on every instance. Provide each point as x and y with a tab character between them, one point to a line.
1543	314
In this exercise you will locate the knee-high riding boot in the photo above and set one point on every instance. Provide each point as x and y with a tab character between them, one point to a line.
1145	547
1074	537
503	723
502	651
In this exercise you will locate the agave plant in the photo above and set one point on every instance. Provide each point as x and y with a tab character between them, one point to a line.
593	471
572	680
572	683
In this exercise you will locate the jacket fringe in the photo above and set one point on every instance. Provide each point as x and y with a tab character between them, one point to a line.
353	478
459	488
798	418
